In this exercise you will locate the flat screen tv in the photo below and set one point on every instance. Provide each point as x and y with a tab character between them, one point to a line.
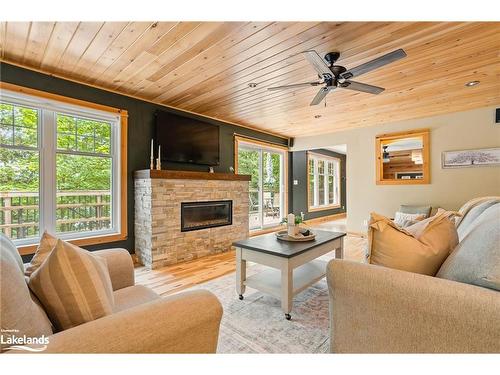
187	140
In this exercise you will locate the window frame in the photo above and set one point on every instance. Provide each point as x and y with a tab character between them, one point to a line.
325	158
49	105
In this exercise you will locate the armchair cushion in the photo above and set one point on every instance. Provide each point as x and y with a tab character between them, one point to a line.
120	267
132	296
73	286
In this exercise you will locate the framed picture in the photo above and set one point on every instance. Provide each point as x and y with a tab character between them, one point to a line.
471	158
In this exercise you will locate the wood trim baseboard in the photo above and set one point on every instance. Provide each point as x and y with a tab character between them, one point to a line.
258	232
322	219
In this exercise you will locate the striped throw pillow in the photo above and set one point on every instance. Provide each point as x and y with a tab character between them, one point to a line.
73	286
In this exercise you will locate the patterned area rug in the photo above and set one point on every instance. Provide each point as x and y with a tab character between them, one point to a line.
257	324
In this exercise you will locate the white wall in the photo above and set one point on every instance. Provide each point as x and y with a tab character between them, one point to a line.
449	188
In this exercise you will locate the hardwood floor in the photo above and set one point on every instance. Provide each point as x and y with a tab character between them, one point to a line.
175	278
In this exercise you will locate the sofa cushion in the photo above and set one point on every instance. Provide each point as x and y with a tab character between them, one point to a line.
47	243
131	296
19	314
73	286
476	260
466	223
395	247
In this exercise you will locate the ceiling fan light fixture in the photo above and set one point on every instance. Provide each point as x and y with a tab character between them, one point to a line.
472	83
317	116
252	85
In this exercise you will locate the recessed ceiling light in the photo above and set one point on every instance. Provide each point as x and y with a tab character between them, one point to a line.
317	116
252	85
472	83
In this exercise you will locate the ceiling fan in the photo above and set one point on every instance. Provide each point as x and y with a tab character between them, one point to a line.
336	76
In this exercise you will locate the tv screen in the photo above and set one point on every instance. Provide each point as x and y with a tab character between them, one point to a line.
187	140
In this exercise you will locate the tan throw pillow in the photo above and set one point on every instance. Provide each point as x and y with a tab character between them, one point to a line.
398	248
73	286
47	243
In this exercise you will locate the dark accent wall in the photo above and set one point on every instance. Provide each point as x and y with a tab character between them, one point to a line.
298	198
140	129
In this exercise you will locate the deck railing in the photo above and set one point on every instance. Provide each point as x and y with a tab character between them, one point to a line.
76	211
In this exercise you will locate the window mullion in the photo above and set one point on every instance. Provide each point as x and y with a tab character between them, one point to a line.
48	172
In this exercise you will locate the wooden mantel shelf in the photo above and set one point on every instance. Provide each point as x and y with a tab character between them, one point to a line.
190	175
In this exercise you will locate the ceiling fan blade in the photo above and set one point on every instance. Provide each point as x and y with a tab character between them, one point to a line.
321	95
318	63
374	64
294	86
352	85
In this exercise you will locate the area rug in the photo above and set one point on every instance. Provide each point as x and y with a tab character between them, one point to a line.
257	324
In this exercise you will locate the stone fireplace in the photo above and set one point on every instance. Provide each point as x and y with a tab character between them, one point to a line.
180	216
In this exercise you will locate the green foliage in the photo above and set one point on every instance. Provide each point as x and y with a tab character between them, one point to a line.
19	169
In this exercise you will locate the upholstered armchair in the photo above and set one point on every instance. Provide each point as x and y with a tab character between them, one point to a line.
142	321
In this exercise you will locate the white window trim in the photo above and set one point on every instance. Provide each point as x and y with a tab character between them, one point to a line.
337	177
47	168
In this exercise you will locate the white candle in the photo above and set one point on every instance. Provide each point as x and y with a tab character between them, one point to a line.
291	219
152	148
159	152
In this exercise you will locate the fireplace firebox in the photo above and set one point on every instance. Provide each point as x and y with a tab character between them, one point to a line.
202	215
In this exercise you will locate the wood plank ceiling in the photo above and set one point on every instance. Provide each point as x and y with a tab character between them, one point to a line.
206	67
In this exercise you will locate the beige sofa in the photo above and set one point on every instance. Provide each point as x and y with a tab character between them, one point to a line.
142	322
380	310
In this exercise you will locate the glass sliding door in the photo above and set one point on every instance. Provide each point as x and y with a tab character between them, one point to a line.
267	187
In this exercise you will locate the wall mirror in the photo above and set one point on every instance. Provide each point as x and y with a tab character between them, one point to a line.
403	158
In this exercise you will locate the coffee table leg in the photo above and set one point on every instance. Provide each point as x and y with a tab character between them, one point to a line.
286	289
241	273
339	251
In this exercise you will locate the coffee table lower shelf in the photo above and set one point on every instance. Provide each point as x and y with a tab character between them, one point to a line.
269	281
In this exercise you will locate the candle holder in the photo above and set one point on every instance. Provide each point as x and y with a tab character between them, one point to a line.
158	164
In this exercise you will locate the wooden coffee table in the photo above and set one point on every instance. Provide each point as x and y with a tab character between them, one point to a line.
293	265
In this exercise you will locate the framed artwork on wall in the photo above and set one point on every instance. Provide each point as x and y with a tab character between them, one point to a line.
471	158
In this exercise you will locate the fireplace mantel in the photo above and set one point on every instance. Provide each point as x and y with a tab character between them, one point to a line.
189	175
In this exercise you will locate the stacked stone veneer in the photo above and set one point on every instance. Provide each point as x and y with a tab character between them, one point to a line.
158	237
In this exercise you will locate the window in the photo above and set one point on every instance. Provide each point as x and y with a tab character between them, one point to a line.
60	170
323	182
266	164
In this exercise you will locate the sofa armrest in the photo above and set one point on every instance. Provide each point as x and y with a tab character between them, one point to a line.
183	323
380	310
120	267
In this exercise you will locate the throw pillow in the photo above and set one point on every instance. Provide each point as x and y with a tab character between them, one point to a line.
73	286
403	220
395	247
47	243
